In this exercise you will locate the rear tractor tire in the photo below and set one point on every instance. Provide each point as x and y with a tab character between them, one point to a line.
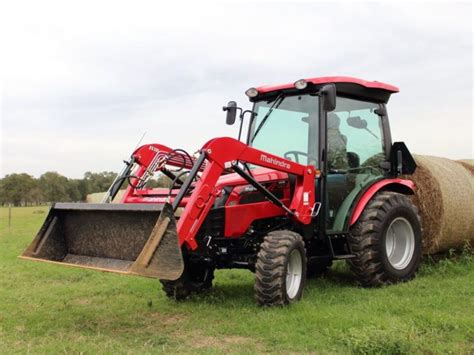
280	270
196	278
386	241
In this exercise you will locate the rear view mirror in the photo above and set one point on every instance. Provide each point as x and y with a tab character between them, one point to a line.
328	92
231	109
357	122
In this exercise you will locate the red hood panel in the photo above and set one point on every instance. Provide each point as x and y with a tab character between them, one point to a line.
159	195
260	174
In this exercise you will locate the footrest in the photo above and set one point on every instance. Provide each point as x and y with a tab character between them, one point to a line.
343	257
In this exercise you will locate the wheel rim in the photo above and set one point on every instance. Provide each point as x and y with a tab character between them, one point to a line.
400	243
294	273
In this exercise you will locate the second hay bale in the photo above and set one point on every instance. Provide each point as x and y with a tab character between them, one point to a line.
97	197
468	164
444	196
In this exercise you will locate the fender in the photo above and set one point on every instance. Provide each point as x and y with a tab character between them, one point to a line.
406	187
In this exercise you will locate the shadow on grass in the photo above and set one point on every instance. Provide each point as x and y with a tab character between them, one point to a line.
235	288
339	275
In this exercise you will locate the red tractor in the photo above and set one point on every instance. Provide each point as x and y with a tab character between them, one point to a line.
316	179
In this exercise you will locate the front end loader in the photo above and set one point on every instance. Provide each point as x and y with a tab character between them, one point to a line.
120	238
316	180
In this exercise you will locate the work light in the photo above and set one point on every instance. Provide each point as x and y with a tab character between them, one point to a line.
252	92
301	84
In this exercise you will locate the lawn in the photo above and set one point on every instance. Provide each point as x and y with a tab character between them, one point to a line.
52	309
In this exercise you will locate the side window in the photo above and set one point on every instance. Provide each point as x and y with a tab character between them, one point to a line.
355	136
355	150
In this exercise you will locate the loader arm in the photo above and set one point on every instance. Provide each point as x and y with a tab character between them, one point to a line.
226	153
151	158
147	239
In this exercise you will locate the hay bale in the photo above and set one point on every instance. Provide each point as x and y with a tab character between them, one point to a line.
468	164
444	196
427	197
98	196
95	197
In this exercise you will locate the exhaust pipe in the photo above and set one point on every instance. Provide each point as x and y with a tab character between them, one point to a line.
138	239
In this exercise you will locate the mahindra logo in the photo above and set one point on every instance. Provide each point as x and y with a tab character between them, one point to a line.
274	161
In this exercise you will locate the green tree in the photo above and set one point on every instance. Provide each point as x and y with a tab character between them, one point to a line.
54	187
160	181
36	195
82	188
73	190
16	189
98	182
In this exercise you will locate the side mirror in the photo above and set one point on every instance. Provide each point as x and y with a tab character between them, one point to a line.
328	93
357	122
231	109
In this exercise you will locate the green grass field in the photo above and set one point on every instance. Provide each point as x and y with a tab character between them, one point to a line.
51	309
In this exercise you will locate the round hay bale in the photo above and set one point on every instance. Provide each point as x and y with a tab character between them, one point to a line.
98	196
427	197
95	197
444	196
468	164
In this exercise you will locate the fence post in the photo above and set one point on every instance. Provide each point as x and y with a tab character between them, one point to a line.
9	215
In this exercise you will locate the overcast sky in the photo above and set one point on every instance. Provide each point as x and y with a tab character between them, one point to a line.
81	83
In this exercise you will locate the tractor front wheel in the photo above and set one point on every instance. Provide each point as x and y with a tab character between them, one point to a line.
280	271
386	241
196	278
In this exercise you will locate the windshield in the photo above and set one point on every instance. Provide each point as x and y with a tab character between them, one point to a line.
287	127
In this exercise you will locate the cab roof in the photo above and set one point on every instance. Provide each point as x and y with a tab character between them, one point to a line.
345	85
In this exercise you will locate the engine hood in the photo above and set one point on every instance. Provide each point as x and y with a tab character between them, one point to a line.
160	195
259	174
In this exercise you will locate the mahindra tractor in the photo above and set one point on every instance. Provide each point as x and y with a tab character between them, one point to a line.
313	177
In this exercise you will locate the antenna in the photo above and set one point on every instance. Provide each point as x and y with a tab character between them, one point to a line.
139	141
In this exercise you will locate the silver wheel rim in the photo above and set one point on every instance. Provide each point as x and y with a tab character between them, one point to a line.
294	273
400	243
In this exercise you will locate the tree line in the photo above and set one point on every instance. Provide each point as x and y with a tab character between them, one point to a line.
23	189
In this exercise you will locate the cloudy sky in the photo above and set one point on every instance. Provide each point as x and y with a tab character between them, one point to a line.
81	83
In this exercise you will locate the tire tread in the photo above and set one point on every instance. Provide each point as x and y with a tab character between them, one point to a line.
365	239
270	268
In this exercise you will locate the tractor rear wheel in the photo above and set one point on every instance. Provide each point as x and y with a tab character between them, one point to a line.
196	278
280	271
386	241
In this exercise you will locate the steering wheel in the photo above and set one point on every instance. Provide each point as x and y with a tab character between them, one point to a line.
295	153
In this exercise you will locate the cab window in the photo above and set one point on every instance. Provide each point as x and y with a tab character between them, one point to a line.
355	151
290	130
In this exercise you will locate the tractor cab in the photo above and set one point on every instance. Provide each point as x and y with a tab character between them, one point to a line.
337	124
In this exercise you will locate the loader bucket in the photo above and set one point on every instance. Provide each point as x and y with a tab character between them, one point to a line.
139	239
